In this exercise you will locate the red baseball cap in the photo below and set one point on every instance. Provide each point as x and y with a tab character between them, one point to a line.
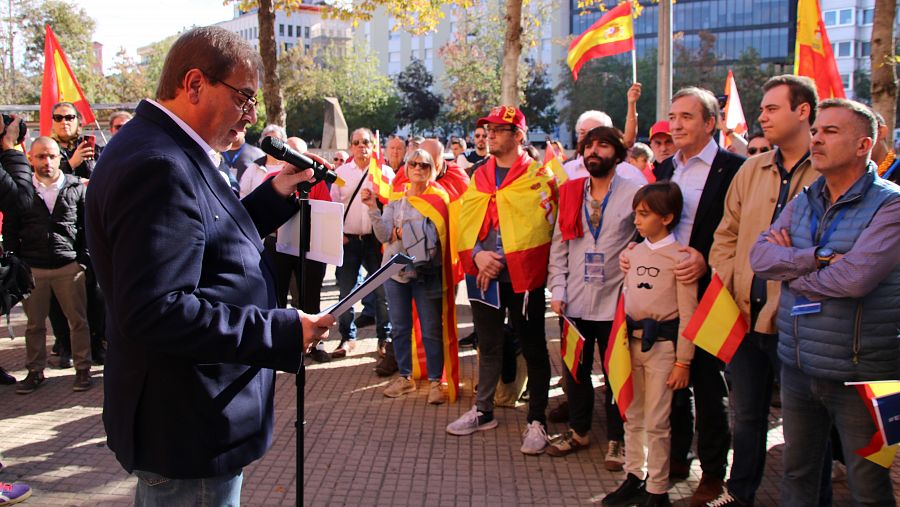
504	115
660	127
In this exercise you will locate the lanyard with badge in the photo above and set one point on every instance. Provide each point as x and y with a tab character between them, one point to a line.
802	305
593	260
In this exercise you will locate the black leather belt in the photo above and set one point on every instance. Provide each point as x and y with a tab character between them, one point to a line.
652	331
360	237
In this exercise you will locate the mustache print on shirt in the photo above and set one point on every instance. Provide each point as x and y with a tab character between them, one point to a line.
643	285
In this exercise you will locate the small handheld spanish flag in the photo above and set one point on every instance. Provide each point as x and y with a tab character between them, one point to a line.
877	452
553	162
618	361
717	326
571	344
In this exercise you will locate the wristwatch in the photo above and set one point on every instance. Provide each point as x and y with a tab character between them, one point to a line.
824	256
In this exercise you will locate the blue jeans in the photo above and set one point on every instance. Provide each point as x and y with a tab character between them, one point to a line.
154	490
361	251
810	406
426	291
752	373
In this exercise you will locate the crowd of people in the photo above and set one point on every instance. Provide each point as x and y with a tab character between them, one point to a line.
799	233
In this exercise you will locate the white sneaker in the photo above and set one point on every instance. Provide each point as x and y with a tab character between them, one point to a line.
468	424
534	440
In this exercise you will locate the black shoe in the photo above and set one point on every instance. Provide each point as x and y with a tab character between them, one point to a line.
6	379
31	382
64	362
560	414
387	365
364	321
469	342
679	470
320	356
654	500
630	490
83	381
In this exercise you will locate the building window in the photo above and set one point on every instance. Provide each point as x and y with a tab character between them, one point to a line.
842	49
838	17
281	30
290	30
846	81
868	16
305	32
865	49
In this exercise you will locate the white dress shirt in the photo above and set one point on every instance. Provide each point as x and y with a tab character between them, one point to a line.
575	169
690	175
255	175
357	221
49	193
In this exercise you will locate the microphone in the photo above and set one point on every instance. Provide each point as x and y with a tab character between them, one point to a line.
276	148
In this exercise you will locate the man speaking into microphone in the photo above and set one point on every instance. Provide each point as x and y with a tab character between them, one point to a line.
194	335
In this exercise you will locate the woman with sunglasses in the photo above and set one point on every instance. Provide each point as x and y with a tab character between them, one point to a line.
403	228
78	153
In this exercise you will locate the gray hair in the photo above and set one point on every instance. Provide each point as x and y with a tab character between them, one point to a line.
641	150
865	120
708	102
274	129
599	116
424	156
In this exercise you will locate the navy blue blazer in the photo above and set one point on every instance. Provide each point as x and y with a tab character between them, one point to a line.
712	201
192	328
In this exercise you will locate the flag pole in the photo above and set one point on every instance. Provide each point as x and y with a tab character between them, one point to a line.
633	48
100	131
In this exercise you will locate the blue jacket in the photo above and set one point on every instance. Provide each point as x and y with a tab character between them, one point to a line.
192	330
850	339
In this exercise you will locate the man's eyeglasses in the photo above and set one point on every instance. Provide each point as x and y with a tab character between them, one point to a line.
61	117
420	165
644	270
338	160
754	151
479	136
249	100
357	142
494	130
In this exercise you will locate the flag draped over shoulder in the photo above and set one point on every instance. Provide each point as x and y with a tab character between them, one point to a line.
59	85
717	325
734	112
571	344
610	35
618	361
434	204
813	55
524	209
876	451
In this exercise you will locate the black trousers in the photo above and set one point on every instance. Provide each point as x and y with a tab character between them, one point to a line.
581	393
289	265
710	393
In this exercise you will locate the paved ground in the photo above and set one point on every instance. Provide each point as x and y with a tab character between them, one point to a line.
360	448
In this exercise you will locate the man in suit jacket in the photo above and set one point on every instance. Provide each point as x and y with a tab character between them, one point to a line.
704	171
194	335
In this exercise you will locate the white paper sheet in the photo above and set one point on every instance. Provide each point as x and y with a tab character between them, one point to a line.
377	279
326	241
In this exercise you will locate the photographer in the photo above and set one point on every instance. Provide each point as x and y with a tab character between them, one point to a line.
78	152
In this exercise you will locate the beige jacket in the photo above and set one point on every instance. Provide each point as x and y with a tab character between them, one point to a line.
749	207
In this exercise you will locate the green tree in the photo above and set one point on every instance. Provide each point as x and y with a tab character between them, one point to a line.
750	74
420	106
367	97
698	66
539	108
73	27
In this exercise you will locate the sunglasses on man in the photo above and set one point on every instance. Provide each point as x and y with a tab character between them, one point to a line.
754	151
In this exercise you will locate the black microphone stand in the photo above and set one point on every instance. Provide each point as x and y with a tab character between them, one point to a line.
303	190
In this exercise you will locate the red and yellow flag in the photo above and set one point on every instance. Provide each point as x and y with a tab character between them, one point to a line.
610	35
434	204
717	326
734	112
570	346
876	451
553	161
524	208
380	183
813	55
59	85
618	361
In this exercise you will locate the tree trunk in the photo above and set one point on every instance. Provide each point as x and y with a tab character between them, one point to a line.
512	50
271	87
884	72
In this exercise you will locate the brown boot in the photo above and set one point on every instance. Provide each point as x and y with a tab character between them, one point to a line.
387	365
709	489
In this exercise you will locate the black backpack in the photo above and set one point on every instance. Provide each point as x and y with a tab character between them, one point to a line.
16	283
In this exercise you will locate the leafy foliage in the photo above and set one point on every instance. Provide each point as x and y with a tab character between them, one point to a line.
538	107
419	105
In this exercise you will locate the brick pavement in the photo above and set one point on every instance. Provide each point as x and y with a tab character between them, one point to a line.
360	448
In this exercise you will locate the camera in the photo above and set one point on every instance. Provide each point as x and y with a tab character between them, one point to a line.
23	129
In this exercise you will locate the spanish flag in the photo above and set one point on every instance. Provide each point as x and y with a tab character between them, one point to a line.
618	361
380	183
733	113
571	344
523	208
434	204
876	451
717	326
813	55
553	161
59	85
612	34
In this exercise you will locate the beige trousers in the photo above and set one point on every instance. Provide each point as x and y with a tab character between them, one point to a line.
67	283
648	415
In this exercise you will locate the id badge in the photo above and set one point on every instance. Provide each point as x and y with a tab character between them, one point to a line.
803	306
593	268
